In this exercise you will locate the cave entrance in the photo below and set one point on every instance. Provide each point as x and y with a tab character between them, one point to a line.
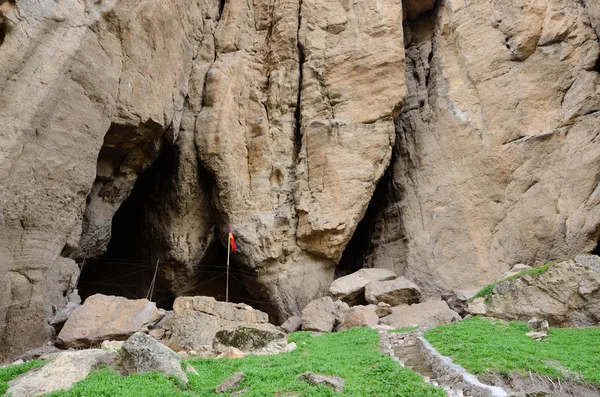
128	265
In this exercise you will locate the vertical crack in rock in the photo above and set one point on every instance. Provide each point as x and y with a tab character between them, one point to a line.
2	29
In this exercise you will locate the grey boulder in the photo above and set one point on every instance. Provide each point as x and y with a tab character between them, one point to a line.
142	353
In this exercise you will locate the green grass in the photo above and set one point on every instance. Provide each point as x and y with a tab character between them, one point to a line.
13	371
352	354
482	345
534	271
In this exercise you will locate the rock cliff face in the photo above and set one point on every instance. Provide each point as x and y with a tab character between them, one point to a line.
280	117
497	158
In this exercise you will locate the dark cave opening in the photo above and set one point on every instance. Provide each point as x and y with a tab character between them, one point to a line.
354	254
128	265
596	250
2	30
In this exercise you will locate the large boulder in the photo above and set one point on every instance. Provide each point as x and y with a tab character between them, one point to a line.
322	314
566	294
246	339
359	316
350	288
196	320
399	291
103	317
429	314
60	374
142	353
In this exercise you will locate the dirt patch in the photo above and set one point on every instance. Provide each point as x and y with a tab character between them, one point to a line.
536	385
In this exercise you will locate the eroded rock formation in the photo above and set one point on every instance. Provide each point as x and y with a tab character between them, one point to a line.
280	117
497	154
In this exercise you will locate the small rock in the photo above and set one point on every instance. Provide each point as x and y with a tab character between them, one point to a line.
184	355
292	324
477	306
519	267
142	353
457	300
291	347
193	353
538	325
231	352
112	344
18	362
333	382
537	335
231	383
157	333
383	309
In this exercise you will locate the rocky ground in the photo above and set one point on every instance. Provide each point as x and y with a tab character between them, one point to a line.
134	337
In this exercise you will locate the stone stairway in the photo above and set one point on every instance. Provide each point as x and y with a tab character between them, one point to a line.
408	353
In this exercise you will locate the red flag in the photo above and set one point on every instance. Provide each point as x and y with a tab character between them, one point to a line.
231	239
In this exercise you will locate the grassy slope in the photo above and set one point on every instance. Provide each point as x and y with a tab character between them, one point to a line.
534	271
351	354
11	372
482	345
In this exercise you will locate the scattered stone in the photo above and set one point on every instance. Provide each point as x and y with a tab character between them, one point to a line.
519	267
350	288
18	362
430	314
60	374
231	383
457	300
232	352
359	316
292	324
333	382
239	392
538	325
112	345
399	291
157	333
165	322
537	335
103	317
142	353
383	309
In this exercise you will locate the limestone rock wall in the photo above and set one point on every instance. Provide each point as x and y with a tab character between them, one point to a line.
93	92
497	158
281	116
88	93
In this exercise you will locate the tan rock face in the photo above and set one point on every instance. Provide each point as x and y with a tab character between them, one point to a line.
497	161
282	116
568	295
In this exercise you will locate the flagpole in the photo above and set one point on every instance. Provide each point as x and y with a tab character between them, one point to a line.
227	281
